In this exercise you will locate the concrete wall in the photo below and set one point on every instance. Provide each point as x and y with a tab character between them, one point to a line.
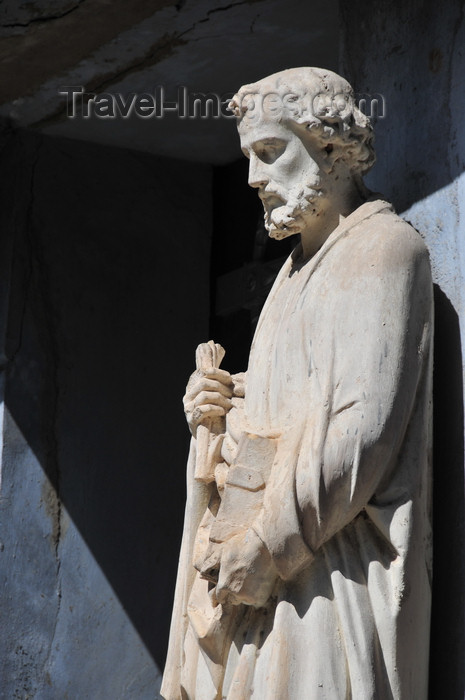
107	254
413	54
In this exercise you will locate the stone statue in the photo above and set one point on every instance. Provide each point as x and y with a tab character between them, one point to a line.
305	568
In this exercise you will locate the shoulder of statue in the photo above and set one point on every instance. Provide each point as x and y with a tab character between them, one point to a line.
385	234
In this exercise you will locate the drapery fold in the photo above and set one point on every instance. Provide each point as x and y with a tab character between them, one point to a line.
340	370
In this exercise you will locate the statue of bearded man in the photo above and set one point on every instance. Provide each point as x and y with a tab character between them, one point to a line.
305	563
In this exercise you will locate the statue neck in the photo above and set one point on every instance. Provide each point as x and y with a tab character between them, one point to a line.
341	203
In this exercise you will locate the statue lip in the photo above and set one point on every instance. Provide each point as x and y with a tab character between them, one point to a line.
271	199
265	192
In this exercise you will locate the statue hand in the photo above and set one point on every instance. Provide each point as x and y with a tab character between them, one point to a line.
238	381
208	395
247	573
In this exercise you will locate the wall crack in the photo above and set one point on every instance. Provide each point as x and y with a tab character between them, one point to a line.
47	18
158	51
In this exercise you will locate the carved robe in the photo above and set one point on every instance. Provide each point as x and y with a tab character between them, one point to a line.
340	374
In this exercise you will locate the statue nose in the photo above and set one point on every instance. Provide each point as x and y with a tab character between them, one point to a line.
257	173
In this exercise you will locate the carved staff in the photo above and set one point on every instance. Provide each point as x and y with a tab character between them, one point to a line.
208	356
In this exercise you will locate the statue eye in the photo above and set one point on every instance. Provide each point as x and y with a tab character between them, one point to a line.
271	150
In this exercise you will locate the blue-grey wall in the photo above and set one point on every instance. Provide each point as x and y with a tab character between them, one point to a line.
413	53
104	268
107	257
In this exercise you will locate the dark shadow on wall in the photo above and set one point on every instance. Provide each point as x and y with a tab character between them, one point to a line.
244	262
109	299
447	673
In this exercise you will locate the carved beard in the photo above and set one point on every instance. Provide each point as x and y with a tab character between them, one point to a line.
286	215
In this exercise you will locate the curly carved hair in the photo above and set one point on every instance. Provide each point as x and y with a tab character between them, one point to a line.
321	102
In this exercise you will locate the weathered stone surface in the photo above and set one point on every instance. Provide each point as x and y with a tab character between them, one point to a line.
134	47
305	568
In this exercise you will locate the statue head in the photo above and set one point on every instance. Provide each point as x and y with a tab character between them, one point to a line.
307	142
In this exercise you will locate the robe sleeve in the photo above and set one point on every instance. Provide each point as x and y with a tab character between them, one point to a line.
369	349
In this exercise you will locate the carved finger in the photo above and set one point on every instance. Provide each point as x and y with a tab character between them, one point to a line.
222	595
193	379
212	398
201	413
229	585
189	395
220	375
239	384
188	407
210	567
214	380
209	385
209	355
